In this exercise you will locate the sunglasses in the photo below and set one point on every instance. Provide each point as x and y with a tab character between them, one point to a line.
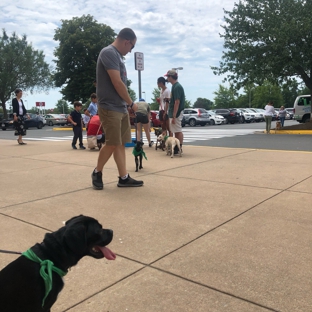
131	44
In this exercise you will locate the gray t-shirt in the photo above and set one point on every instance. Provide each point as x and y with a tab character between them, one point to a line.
108	98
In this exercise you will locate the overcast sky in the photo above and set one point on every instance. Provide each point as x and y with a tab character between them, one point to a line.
170	34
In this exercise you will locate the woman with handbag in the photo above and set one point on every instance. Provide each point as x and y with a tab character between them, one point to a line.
19	115
95	135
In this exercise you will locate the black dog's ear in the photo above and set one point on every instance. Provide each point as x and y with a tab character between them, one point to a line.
75	238
73	218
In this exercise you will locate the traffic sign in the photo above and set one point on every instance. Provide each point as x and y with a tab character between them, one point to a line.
40	104
139	60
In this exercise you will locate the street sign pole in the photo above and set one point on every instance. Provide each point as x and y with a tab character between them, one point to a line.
139	66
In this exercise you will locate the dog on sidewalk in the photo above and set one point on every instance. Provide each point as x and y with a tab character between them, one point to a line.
170	143
138	153
159	143
33	281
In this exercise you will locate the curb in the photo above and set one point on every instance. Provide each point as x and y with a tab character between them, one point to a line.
68	129
306	132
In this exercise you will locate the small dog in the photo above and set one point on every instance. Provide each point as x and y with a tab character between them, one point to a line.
22	286
278	126
138	153
159	143
170	143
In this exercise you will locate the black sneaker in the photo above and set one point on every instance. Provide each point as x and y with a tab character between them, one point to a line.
129	182
97	180
74	147
151	144
82	147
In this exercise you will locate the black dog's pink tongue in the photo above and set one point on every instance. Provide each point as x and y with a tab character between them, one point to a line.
108	254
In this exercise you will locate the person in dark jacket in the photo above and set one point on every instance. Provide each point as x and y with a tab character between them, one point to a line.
19	115
76	120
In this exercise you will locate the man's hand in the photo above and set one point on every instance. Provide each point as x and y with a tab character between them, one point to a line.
173	121
135	107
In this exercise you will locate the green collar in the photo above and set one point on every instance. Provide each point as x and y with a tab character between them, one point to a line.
46	269
166	137
136	153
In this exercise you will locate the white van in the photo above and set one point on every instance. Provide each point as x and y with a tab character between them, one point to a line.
302	108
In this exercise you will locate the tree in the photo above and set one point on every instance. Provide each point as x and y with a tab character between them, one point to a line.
80	41
21	66
225	97
203	103
290	91
265	93
267	40
62	107
131	91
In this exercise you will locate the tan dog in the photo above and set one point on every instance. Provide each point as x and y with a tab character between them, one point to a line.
278	126
170	144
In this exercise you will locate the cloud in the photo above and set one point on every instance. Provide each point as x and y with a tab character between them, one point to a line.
170	34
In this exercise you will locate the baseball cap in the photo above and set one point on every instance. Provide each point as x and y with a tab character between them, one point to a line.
141	100
171	72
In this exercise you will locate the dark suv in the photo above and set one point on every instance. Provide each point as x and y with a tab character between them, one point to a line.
231	115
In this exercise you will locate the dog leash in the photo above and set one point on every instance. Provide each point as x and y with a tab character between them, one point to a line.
10	252
46	268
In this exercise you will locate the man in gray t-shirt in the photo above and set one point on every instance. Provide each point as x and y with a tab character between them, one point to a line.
108	97
114	106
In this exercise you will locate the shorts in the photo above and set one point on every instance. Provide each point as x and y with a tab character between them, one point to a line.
116	127
161	115
142	118
177	127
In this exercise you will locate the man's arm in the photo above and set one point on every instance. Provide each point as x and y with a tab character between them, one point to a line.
120	87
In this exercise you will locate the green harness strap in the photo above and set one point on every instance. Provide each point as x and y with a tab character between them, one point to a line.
46	269
166	137
136	153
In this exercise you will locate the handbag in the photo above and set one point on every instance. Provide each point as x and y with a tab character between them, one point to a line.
92	140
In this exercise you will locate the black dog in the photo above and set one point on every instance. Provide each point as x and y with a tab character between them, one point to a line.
22	287
138	153
159	144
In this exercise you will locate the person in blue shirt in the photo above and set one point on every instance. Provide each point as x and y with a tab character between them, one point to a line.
92	109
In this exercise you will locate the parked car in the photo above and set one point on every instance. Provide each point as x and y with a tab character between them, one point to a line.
247	116
231	115
258	116
155	122
55	119
290	111
302	108
216	119
195	116
34	121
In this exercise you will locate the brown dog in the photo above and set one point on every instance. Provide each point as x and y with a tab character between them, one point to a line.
278	126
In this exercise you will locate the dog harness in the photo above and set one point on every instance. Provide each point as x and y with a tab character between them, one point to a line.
166	137
138	153
47	266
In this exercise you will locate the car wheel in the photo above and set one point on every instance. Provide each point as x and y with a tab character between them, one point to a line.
192	122
50	123
40	125
306	119
212	122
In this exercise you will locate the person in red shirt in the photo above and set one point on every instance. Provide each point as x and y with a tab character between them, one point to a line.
95	128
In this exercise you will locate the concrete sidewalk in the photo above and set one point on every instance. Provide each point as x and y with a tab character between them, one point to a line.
218	229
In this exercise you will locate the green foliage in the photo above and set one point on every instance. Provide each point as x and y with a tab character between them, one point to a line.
225	97
265	93
154	104
131	91
21	66
80	41
203	103
62	107
267	40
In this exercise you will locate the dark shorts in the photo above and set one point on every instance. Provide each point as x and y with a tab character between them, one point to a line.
161	115
142	118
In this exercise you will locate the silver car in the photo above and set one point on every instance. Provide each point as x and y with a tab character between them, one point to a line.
55	119
195	116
